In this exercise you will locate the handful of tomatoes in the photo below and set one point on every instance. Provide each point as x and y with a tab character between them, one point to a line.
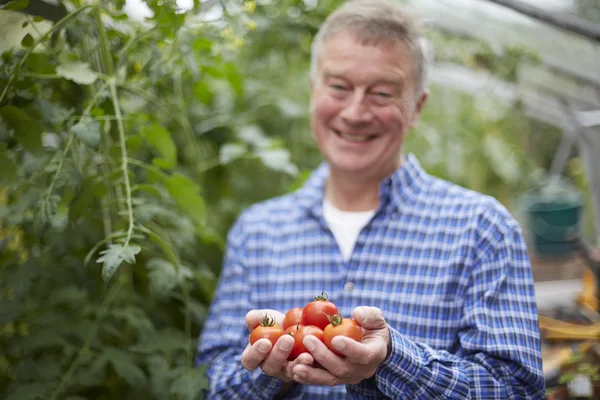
319	318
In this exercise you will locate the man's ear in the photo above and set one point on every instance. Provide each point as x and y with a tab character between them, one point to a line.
419	107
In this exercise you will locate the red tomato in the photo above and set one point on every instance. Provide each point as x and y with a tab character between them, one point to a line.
267	329
340	326
292	317
299	336
291	330
317	311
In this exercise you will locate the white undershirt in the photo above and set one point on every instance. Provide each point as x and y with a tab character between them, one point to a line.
345	225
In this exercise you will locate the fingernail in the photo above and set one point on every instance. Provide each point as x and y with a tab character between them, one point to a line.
308	343
264	347
338	344
286	345
300	376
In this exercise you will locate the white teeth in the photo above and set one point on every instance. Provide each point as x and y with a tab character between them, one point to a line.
355	138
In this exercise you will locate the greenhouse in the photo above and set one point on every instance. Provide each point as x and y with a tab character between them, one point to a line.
134	133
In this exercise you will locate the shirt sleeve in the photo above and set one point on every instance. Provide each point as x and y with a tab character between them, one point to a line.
499	355
225	335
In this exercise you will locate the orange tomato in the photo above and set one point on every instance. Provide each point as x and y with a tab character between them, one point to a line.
340	326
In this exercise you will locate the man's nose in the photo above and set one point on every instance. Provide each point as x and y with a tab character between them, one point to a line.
357	110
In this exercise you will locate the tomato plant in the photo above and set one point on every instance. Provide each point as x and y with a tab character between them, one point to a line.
292	317
267	329
340	326
318	311
299	336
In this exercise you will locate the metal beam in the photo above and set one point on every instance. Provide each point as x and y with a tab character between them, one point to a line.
566	22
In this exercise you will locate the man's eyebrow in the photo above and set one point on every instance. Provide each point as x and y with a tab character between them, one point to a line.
332	74
396	81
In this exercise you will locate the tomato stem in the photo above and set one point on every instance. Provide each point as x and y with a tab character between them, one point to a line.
335	320
268	321
322	297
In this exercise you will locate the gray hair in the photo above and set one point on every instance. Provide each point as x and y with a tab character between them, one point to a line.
372	21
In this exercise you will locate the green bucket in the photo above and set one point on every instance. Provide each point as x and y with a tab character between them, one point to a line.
553	223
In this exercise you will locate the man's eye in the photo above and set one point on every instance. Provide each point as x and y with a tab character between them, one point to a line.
383	95
337	87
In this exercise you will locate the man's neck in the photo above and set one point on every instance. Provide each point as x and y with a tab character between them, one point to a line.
353	192
348	196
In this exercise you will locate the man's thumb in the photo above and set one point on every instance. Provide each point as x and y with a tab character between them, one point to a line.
369	317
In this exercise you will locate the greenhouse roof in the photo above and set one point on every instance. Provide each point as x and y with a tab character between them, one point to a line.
500	26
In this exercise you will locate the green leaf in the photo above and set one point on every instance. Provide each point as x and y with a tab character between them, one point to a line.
202	44
28	131
278	159
10	310
159	138
69	295
43	339
88	131
190	384
203	93
45	209
15	5
235	79
126	368
186	194
162	276
166	341
30	391
89	190
20	277
197	310
136	318
78	72
254	136
231	151
114	256
158	367
206	280
52	112
7	166
27	41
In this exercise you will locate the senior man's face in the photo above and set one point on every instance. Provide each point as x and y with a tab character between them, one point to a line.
363	102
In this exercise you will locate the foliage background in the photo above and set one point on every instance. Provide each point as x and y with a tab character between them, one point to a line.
128	148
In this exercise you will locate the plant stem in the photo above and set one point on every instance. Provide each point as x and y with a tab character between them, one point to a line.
106	56
124	164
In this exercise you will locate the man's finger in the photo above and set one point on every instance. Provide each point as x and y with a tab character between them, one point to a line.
359	353
304	359
253	355
278	356
314	376
322	354
254	317
369	317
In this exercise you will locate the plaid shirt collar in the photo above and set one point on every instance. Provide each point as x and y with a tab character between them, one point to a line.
395	191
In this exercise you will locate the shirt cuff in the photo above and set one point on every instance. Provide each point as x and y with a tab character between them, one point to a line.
365	390
404	364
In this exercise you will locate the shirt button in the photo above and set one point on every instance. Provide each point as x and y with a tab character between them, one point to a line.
348	287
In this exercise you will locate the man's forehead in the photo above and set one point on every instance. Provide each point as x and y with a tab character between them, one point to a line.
392	76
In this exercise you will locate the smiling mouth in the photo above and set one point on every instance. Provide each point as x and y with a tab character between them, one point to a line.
355	138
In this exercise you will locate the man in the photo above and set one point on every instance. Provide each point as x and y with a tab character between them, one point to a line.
438	276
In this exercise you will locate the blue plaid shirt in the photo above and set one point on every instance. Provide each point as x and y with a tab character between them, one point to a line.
448	267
